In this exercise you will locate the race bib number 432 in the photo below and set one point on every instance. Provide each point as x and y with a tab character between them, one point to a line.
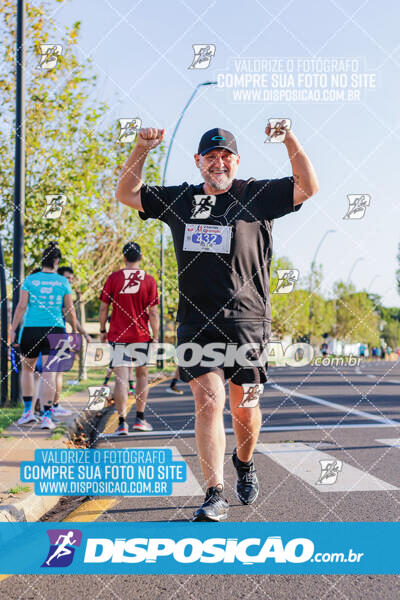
208	238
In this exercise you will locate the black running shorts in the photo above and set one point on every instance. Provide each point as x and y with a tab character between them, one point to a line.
34	340
129	355
233	335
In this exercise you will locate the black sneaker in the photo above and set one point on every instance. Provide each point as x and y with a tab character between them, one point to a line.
214	507
247	487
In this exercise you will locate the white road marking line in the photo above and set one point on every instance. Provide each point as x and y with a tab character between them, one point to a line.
395	442
229	430
383	379
340	407
190	487
303	461
146	434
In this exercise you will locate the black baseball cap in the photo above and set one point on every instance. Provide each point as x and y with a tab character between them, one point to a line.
217	138
132	251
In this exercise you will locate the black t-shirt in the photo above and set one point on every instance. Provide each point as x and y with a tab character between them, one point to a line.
223	245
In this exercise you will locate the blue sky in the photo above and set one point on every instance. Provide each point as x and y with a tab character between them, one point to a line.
141	52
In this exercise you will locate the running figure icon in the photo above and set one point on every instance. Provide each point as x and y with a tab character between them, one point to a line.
203	54
202	206
62	549
64	352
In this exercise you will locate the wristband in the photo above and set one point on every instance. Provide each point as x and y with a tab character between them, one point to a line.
103	331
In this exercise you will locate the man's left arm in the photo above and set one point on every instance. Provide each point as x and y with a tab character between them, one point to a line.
304	176
152	308
154	319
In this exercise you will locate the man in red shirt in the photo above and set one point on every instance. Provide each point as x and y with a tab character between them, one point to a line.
134	298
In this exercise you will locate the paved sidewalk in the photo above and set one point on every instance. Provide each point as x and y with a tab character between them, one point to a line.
17	444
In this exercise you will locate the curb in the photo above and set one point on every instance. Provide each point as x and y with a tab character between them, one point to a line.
32	507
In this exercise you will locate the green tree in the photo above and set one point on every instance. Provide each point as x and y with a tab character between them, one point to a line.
356	317
291	312
390	322
68	151
284	307
391	333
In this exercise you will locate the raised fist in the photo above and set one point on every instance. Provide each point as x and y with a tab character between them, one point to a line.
149	138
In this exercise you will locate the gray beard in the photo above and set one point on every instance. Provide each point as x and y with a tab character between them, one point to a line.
221	185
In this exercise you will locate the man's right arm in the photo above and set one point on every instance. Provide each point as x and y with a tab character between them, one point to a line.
130	182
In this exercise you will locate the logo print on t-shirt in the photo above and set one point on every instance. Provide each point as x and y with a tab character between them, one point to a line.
133	279
202	205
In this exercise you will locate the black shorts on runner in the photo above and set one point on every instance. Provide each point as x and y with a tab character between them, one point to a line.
34	340
231	333
122	354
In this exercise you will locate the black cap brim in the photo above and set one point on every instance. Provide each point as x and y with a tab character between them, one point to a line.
218	148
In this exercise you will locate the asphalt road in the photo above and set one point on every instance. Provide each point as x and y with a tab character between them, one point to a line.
349	414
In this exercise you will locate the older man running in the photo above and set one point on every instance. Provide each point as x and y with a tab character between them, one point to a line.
221	230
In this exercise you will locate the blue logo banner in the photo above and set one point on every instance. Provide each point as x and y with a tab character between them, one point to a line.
199	548
103	472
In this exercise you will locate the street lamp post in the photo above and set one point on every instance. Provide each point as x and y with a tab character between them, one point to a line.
19	177
162	263
375	277
359	259
310	313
